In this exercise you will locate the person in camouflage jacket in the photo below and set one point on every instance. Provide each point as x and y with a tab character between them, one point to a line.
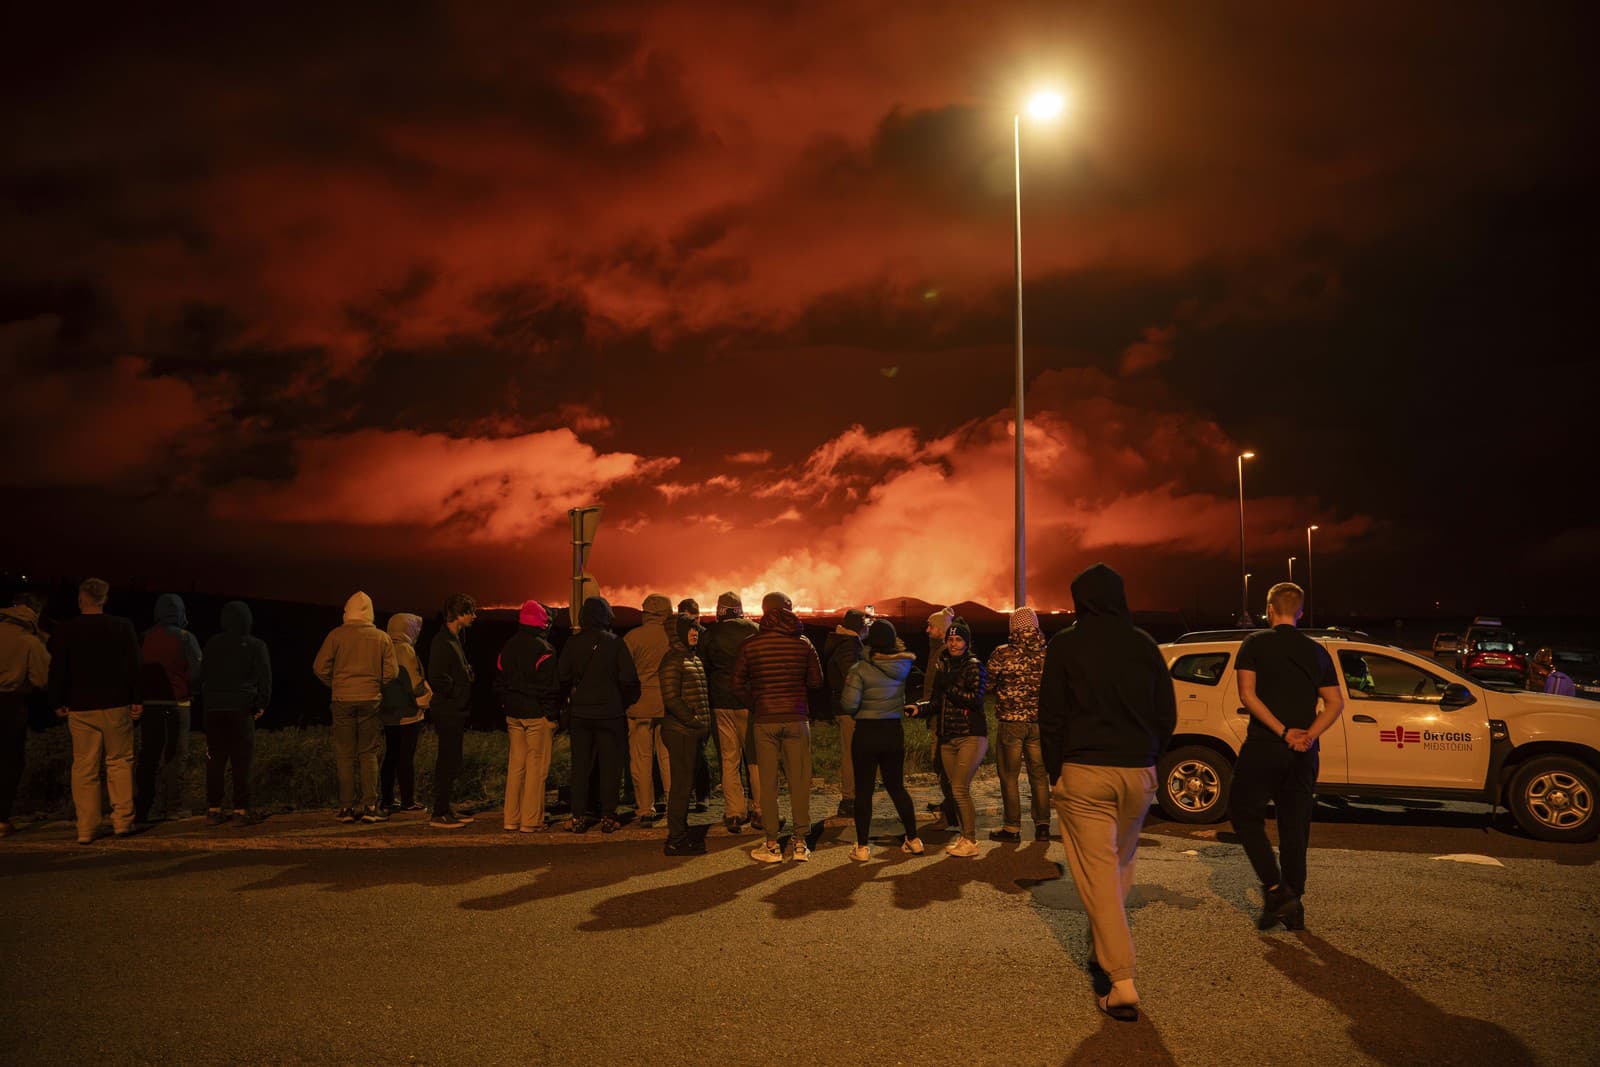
1014	673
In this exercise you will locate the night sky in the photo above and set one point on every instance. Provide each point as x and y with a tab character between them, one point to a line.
299	300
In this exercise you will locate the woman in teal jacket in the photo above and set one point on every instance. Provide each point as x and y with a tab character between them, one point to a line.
875	693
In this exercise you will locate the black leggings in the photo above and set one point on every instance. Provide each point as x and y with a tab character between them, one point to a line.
399	763
879	747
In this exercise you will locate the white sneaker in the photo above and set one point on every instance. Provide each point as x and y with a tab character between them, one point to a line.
961	848
861	853
767	852
801	852
911	846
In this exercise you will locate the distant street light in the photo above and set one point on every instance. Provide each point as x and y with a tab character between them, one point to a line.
1042	106
1244	606
1291	567
1309	575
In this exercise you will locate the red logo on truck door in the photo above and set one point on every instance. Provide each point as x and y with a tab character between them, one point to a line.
1399	737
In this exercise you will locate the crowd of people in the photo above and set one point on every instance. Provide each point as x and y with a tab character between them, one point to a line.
1086	714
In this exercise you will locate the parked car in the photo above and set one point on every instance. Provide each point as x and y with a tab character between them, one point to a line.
1489	654
1582	665
1446	644
1411	729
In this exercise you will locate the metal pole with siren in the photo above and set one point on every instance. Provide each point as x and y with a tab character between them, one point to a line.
585	523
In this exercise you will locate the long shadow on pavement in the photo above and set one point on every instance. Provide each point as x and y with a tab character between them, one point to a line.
649	907
1388	1021
1117	1043
556	877
938	878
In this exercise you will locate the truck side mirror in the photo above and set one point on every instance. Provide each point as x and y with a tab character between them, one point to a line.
1456	695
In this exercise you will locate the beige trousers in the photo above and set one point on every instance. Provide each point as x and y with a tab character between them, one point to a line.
737	746
527	771
1101	811
645	744
847	766
103	733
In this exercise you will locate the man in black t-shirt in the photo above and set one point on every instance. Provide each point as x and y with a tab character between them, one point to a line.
1282	674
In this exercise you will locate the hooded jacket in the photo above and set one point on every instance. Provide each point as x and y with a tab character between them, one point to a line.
356	659
683	683
956	700
648	644
840	651
528	682
450	677
595	667
773	669
169	654
1105	698
407	694
1015	670
875	687
24	661
236	671
719	647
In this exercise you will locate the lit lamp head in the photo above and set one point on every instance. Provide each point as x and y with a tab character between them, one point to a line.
1046	105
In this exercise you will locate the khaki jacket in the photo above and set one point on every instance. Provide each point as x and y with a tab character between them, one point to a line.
356	659
24	661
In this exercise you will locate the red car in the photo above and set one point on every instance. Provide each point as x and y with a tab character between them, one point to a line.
1489	654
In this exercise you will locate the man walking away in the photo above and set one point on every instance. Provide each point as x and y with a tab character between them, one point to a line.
236	686
450	676
842	650
1014	672
596	669
771	673
24	668
356	661
719	648
688	719
529	689
1106	712
648	643
171	658
94	685
1282	674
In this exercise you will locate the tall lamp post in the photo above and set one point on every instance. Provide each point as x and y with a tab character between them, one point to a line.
1043	106
1244	604
1291	567
1248	621
1310	576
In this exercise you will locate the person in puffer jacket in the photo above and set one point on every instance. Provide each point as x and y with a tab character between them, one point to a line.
356	661
170	674
404	706
771	673
957	708
529	688
1014	673
874	694
842	650
687	700
647	644
236	687
24	669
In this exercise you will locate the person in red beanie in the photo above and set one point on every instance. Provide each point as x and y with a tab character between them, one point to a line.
530	693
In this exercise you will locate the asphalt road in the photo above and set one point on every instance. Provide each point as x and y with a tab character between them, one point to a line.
539	950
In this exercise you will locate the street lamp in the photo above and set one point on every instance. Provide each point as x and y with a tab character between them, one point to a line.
1244	607
1291	567
1044	107
1248	621
1310	577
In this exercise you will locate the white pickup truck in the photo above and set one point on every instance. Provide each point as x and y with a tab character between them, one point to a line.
1411	729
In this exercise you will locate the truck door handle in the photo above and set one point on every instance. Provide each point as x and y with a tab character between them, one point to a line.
1242	711
1364	718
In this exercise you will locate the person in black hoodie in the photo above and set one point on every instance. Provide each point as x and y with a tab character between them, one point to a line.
530	692
597	670
450	676
1106	713
235	687
688	720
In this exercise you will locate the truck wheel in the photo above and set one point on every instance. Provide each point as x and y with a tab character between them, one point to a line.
1554	798
1192	784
